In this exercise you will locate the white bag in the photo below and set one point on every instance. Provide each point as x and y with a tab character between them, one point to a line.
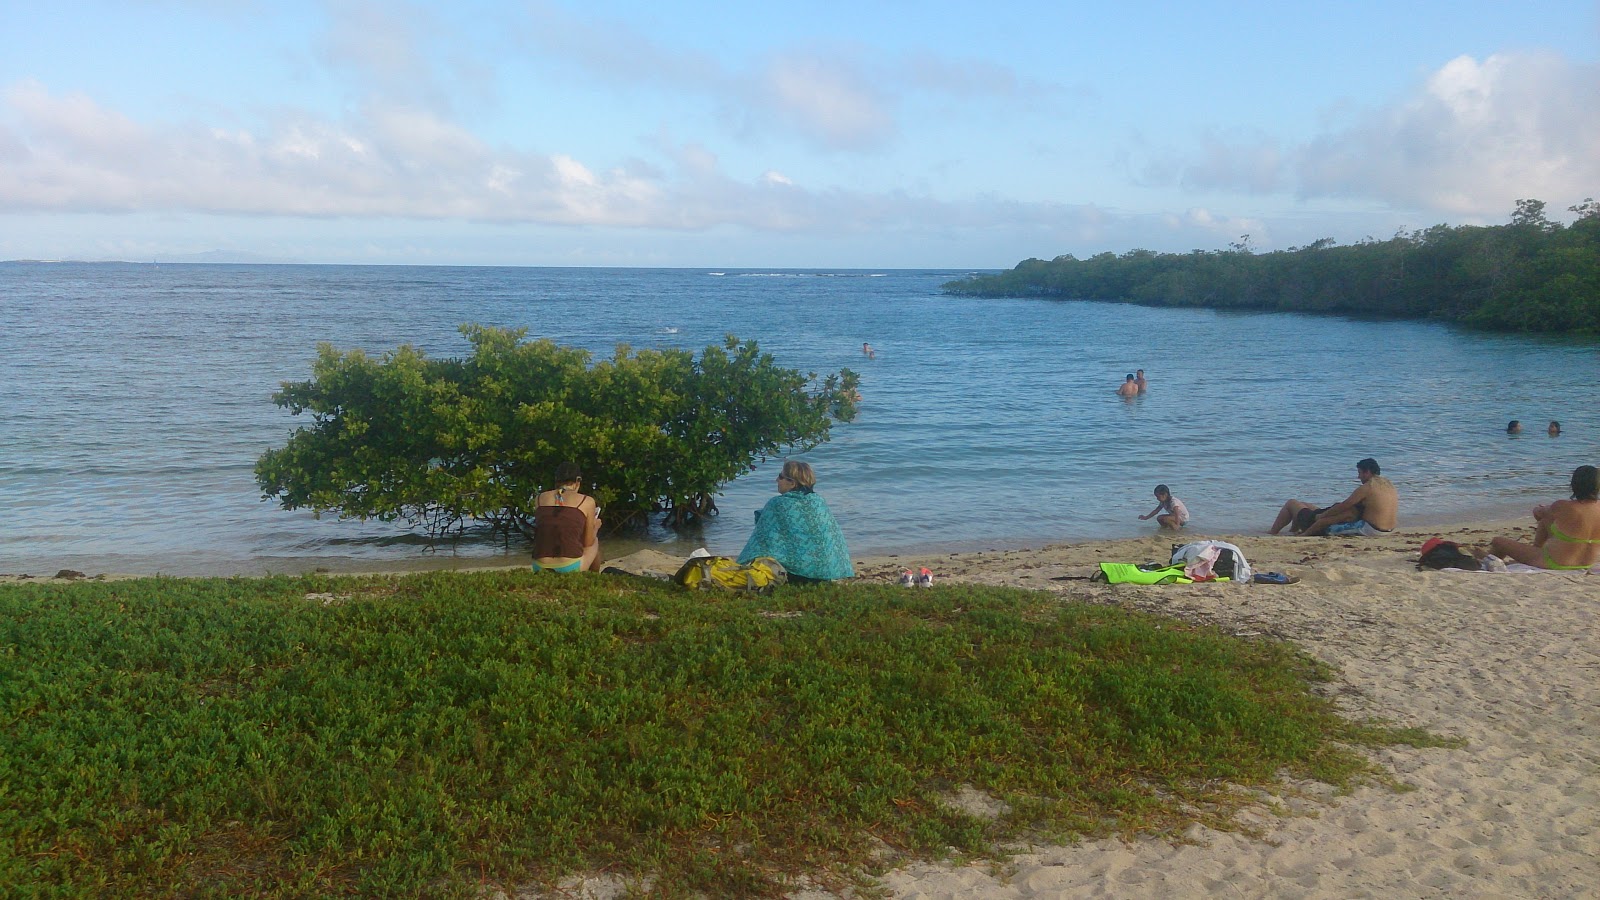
1193	552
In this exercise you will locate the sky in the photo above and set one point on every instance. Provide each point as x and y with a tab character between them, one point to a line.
885	134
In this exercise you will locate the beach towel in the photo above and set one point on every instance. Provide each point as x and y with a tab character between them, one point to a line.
1128	573
797	530
1516	568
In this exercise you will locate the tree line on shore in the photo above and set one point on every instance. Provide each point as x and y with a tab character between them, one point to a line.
1530	275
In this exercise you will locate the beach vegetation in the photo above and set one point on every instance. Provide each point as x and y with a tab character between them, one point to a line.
1529	275
442	443
445	734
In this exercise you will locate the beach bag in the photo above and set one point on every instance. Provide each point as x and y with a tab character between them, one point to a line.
724	573
1229	565
1438	554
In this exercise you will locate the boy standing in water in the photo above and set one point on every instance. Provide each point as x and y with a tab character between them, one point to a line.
1170	511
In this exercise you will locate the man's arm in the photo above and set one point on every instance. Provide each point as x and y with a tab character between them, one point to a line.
1348	504
1339	512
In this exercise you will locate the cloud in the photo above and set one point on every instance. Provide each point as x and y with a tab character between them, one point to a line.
403	53
1477	137
1201	221
835	97
369	38
830	100
1259	167
614	51
1471	139
67	153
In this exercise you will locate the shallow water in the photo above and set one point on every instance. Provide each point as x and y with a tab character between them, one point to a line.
136	399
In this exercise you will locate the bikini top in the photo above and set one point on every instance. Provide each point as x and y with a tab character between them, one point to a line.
558	530
1565	538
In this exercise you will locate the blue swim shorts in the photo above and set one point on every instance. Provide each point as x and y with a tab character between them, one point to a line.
574	566
1358	527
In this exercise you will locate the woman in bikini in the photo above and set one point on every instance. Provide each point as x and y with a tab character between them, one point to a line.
566	526
1567	532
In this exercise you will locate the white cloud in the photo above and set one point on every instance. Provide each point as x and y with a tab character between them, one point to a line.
1258	167
1202	221
835	97
829	99
1471	139
1476	137
406	54
68	154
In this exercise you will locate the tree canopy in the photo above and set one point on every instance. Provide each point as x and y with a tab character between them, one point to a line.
438	443
1531	275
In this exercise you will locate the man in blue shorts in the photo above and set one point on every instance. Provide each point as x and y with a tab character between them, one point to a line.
1371	510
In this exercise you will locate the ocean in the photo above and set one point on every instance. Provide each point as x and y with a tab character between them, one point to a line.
136	399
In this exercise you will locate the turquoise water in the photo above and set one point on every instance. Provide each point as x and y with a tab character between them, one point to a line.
136	400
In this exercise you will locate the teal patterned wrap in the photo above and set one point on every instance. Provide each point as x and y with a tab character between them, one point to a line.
796	529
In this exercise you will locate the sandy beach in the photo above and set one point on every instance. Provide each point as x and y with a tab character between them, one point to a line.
1508	662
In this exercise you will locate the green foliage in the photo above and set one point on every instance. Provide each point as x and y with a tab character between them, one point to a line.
1530	275
428	735
437	443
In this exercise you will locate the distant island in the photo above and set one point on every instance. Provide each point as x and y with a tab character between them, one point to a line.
218	257
1531	275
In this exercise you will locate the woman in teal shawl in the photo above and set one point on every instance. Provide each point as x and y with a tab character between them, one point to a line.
796	529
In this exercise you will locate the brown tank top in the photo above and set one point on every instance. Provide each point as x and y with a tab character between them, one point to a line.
558	532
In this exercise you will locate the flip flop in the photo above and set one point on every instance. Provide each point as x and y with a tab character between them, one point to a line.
1275	578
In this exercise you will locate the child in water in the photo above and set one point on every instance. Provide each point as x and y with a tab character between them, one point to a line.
1170	511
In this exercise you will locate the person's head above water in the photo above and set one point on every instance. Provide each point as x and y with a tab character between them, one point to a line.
1130	376
1513	427
1162	492
1555	428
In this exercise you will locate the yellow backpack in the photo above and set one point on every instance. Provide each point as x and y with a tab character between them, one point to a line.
758	576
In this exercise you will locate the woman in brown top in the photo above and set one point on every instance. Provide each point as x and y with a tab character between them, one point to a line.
566	526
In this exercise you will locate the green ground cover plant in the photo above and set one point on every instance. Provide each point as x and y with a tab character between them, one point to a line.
430	734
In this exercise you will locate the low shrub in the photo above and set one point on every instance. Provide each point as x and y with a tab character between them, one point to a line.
429	734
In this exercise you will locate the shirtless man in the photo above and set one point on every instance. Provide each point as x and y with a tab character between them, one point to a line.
1370	510
1138	379
1129	388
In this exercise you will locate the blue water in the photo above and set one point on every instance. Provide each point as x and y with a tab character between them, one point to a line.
136	399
